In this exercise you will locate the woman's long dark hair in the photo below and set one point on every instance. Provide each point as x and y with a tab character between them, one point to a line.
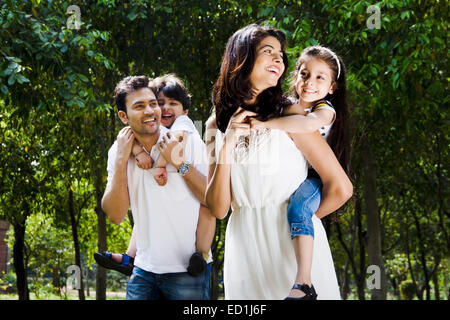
338	138
233	85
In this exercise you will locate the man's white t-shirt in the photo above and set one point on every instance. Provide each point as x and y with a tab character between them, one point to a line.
165	216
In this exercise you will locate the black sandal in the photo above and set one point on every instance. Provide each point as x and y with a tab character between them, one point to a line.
310	292
104	259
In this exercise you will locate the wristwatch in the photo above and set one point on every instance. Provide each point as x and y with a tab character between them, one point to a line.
184	168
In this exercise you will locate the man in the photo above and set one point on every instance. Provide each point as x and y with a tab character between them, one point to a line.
165	217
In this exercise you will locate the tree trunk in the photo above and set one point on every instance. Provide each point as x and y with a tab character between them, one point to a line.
373	221
436	285
217	262
422	258
345	283
76	243
100	289
446	282
108	123
362	251
19	265
88	293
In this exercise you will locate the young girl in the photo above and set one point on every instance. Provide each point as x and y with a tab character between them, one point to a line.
174	101
319	85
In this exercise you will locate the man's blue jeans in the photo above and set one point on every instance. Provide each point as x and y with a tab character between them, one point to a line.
145	285
303	203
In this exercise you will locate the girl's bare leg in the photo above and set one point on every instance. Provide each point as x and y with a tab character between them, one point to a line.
303	247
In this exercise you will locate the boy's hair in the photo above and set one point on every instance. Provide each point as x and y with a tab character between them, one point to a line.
338	139
173	88
128	85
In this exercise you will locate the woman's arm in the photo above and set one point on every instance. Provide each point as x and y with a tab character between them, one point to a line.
337	188
218	193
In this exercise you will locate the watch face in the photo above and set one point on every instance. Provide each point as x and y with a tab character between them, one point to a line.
184	168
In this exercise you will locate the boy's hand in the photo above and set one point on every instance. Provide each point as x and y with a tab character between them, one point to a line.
161	176
125	140
144	161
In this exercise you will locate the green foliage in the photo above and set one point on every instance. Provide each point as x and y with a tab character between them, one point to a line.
57	116
407	290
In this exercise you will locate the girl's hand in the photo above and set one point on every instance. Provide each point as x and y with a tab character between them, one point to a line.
238	126
255	124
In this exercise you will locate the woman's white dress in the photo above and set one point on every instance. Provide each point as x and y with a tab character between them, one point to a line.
259	256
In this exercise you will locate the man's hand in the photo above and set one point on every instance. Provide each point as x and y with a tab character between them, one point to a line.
172	150
125	140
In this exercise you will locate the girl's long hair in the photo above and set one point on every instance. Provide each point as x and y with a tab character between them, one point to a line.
338	138
233	85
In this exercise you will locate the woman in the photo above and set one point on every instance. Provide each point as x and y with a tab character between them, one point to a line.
256	172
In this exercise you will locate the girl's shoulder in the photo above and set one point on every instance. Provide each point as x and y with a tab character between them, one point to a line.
322	104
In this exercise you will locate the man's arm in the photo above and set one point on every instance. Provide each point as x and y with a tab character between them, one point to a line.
196	183
116	201
172	150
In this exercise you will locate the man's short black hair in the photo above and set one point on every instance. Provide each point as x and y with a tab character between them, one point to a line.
127	85
173	88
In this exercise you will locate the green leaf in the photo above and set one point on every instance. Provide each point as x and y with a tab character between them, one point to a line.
11	79
21	79
132	15
4	89
395	81
83	77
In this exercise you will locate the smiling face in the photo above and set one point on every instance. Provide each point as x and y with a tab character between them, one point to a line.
143	113
314	80
268	66
170	108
